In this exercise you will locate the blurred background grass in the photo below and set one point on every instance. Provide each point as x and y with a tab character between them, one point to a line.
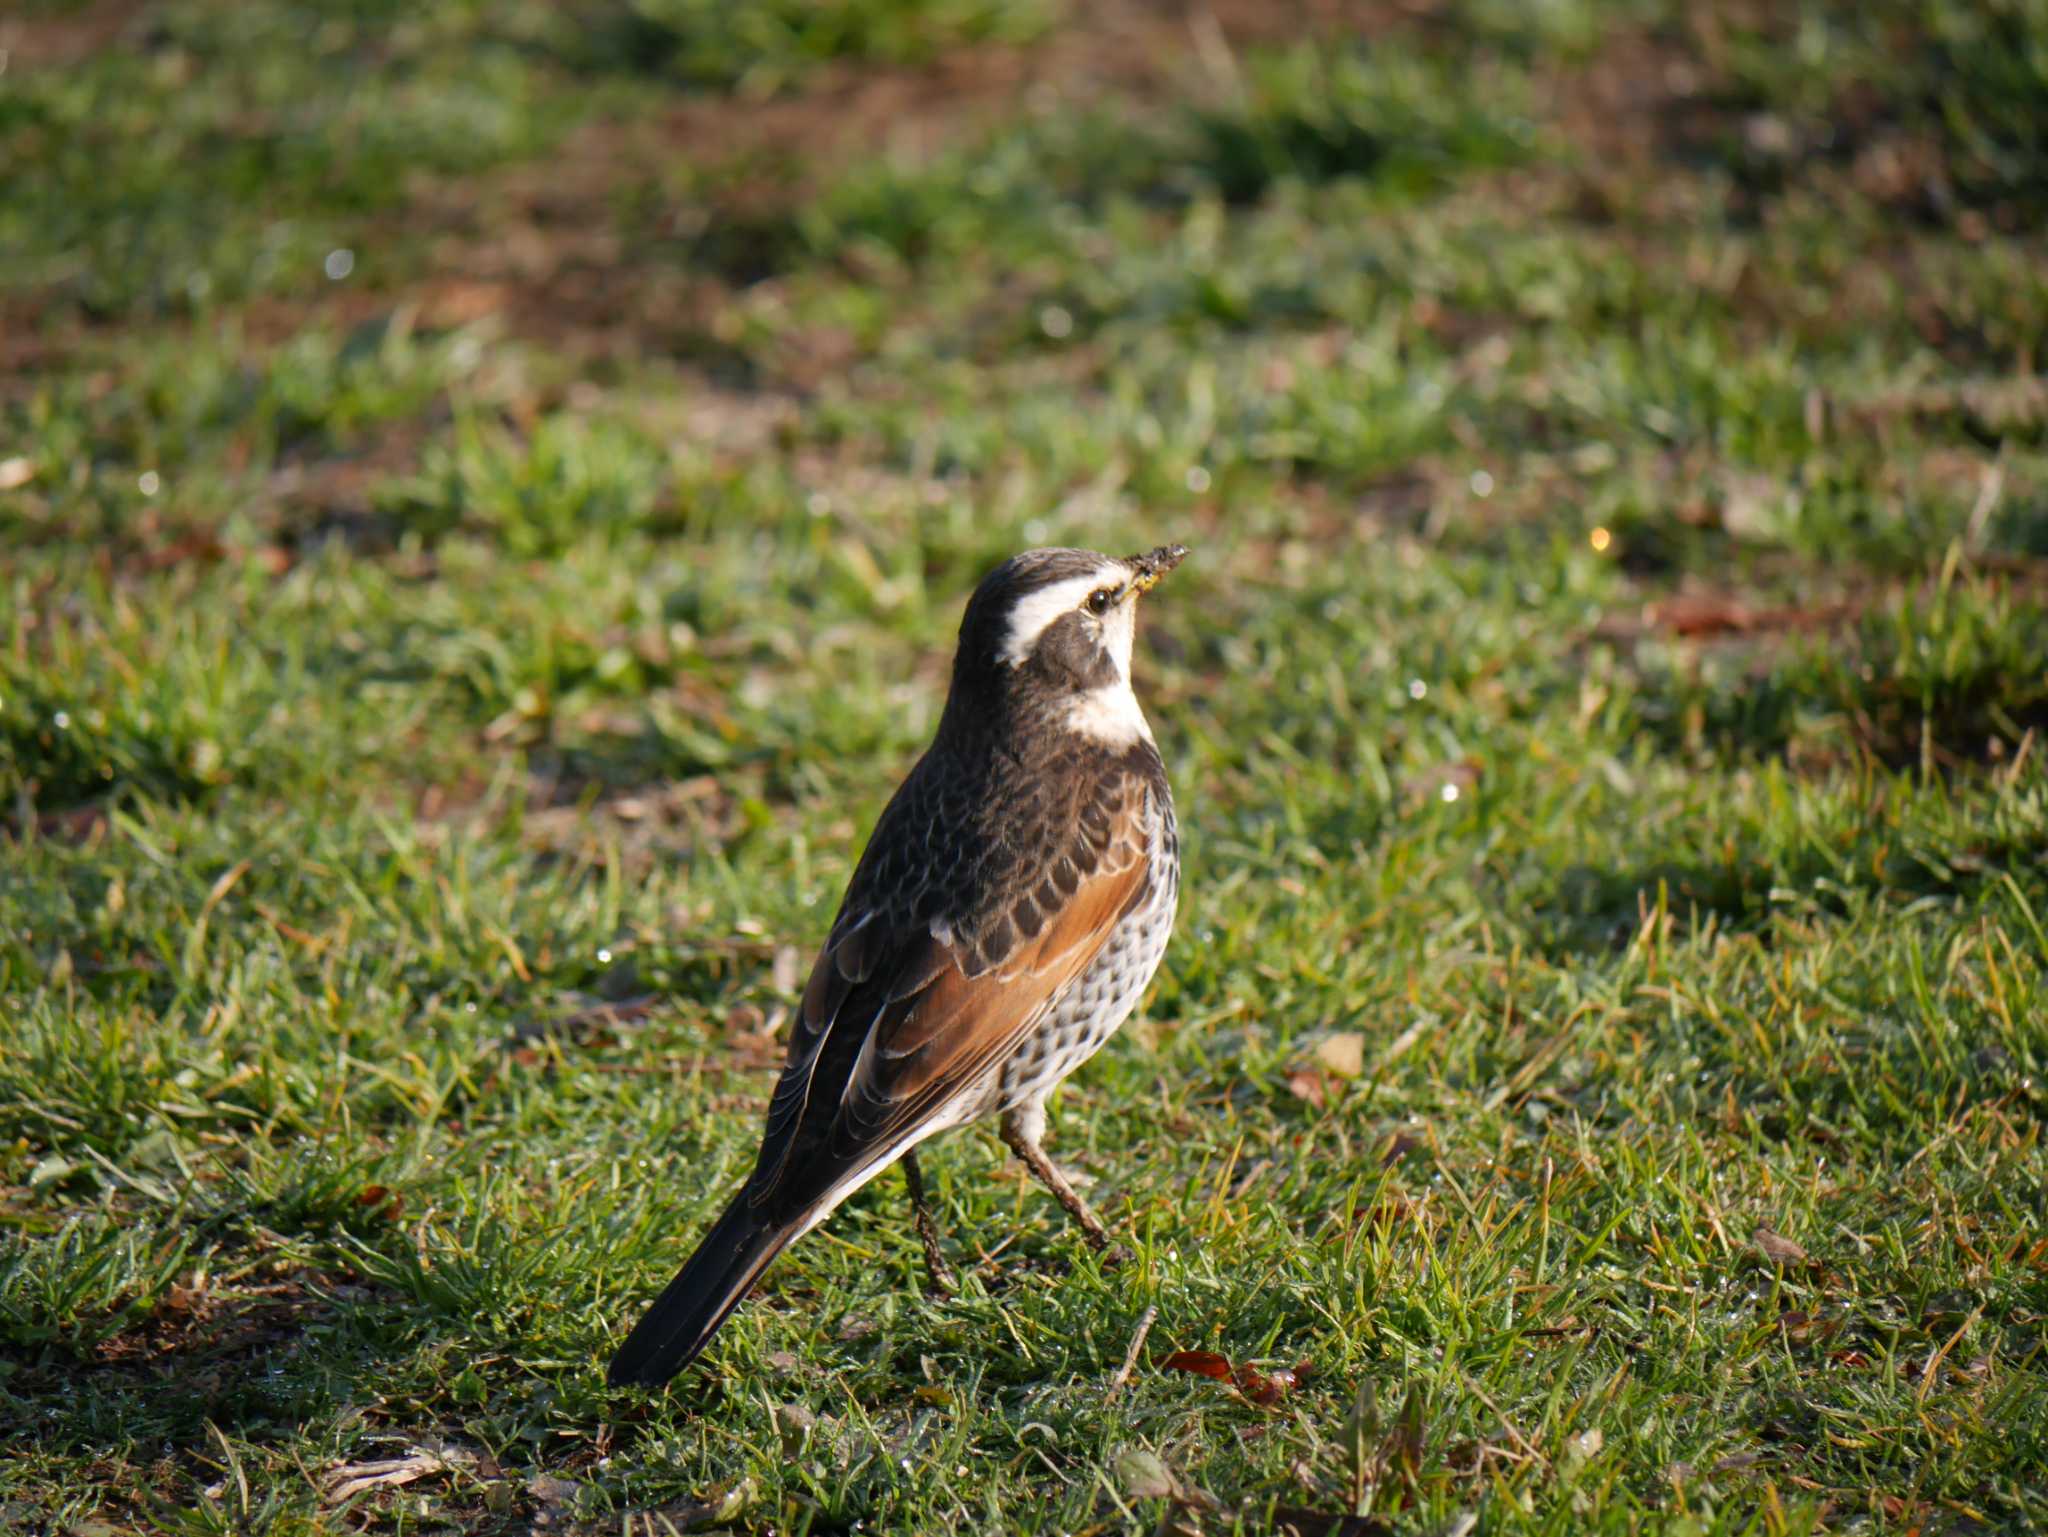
485	493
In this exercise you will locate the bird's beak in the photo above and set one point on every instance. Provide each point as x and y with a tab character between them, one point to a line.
1148	570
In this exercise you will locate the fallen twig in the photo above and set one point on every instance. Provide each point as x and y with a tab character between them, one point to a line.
1123	1374
354	1478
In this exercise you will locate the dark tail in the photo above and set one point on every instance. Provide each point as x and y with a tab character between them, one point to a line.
701	1297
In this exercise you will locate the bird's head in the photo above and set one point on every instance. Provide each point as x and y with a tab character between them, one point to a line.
1050	631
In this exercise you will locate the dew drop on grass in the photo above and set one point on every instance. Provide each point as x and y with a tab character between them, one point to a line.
1449	793
1482	484
1197	479
61	720
604	957
1417	688
149	483
339	264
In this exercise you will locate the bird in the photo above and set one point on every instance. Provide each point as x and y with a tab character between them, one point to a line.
1010	909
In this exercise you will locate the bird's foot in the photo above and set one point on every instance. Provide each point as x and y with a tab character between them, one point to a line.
940	1274
1050	1175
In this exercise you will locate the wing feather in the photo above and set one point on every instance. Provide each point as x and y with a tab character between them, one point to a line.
904	1010
940	1040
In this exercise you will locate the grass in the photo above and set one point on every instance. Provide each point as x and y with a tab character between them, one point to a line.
1597	1080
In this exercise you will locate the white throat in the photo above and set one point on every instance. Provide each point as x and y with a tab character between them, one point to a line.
1110	715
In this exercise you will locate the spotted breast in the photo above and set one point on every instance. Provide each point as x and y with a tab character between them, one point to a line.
1081	1019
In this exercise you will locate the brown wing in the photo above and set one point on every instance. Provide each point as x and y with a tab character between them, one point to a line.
919	1056
910	1005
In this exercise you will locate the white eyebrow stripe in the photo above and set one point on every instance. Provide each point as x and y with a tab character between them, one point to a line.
1035	611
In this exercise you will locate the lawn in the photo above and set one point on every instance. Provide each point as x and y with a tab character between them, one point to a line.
486	491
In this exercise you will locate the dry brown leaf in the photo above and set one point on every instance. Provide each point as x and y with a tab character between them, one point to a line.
1343	1054
1144	1476
1265	1388
1203	1363
1777	1248
1308	1086
550	1490
391	1202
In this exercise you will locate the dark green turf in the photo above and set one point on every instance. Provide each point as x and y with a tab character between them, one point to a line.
443	691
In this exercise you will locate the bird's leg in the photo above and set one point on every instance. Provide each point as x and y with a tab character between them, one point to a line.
927	1231
1022	1138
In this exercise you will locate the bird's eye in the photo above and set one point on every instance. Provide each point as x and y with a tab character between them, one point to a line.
1100	599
